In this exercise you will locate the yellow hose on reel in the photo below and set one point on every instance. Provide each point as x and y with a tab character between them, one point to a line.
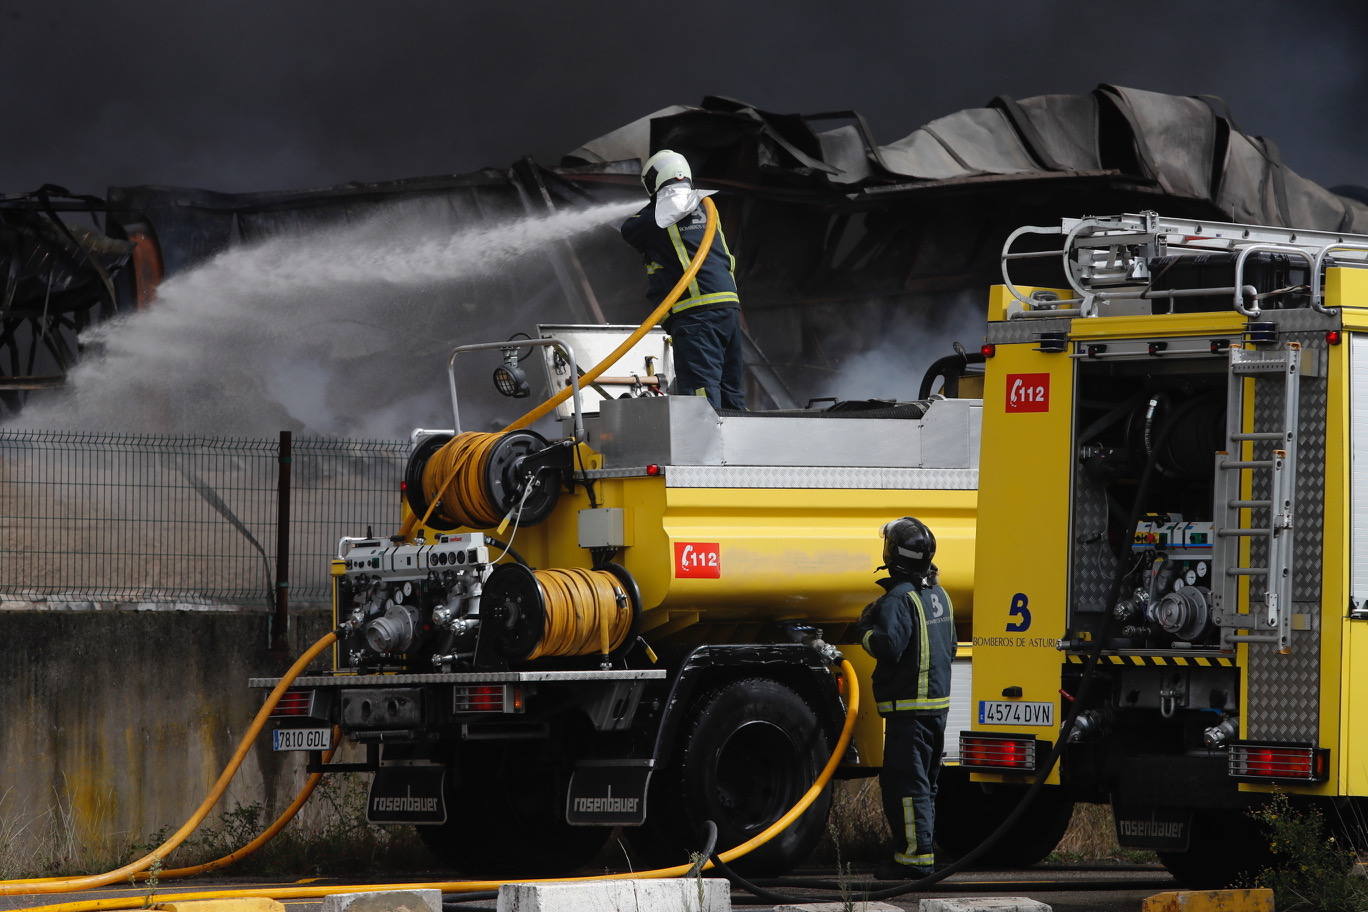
455	475
587	611
461	470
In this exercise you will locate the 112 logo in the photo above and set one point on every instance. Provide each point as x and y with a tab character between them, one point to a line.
1028	393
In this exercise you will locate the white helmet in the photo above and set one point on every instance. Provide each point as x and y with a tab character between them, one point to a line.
665	167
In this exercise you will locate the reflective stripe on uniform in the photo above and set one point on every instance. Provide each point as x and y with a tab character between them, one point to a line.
653	268
915	861
923	648
909	810
864	641
717	297
925	704
683	253
731	260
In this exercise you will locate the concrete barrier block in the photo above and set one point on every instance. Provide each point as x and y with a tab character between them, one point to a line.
1253	900
984	904
855	906
385	901
236	904
683	894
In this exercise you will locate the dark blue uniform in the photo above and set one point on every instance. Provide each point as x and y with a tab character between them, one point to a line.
705	322
910	630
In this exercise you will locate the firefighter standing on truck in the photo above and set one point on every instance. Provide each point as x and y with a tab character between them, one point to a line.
910	630
704	323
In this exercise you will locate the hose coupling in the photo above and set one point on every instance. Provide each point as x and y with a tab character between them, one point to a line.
1219	736
830	654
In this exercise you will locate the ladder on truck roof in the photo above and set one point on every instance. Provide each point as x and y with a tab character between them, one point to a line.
1256	478
1106	259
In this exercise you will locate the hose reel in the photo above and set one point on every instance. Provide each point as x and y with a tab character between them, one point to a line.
474	480
536	613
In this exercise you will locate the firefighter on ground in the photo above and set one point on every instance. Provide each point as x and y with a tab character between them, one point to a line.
704	323
910	630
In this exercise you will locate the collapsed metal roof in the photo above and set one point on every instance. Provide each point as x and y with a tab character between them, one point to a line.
1187	147
841	243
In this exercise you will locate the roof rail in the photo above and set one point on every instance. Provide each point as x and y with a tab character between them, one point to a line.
1107	258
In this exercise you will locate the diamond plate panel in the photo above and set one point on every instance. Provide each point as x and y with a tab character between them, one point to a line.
1093	563
1008	331
1284	690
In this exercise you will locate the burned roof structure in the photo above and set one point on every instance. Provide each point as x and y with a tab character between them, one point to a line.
840	241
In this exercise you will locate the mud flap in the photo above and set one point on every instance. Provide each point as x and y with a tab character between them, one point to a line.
608	793
407	795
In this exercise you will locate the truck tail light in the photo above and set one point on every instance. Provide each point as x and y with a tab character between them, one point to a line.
294	702
999	752
499	698
1279	762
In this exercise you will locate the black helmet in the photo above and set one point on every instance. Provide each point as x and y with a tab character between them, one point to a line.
909	547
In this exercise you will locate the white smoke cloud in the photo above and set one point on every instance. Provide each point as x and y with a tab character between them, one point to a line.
893	367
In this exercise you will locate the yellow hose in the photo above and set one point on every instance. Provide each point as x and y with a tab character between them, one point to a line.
704	245
586	611
91	881
264	837
467	886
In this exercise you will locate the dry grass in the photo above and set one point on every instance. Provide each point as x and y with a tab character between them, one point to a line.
1091	836
857	830
40	843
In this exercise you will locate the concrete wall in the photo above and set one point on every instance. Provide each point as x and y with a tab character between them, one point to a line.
115	723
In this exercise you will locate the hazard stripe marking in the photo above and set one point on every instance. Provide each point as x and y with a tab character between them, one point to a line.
1157	661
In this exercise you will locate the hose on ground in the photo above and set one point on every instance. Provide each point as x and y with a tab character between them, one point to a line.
236	855
473	448
91	881
709	849
482	886
265	835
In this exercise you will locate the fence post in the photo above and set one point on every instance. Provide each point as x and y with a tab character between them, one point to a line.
280	620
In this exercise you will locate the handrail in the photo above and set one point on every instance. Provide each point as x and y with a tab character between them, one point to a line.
1317	284
1026	303
530	343
1240	264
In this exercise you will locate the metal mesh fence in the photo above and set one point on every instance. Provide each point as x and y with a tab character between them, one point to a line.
147	518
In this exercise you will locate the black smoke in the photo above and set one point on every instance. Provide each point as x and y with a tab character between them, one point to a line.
255	95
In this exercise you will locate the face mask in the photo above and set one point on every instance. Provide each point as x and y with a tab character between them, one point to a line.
674	202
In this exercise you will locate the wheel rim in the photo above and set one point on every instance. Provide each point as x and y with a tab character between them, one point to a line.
758	774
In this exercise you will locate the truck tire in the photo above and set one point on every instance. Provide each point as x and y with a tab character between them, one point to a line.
746	756
968	812
506	817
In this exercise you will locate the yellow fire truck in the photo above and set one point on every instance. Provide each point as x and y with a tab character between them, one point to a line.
1172	542
1149	509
